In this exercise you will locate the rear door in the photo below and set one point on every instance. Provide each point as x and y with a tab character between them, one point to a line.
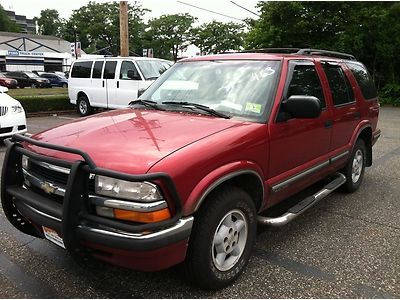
299	147
345	112
98	89
111	79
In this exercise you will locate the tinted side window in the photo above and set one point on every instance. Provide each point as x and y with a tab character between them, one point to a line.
98	66
305	82
339	84
125	67
109	70
81	69
364	80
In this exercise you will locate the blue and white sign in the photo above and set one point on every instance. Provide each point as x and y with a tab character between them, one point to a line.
25	53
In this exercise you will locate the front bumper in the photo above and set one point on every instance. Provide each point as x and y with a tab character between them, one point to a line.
78	226
12	124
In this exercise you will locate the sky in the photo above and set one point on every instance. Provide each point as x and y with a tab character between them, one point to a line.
32	8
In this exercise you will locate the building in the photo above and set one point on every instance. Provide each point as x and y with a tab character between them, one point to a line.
29	52
26	25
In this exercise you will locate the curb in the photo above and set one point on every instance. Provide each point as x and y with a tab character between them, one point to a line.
49	113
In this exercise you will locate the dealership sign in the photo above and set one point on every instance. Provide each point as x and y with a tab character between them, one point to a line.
24	53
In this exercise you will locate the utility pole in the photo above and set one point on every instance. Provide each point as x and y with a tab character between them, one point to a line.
123	28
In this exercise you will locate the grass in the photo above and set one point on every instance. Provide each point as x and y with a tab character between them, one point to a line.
28	92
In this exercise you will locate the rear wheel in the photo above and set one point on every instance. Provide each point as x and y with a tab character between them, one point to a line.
355	167
64	85
222	239
83	106
33	86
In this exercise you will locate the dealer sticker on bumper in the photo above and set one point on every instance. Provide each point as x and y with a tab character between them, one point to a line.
53	236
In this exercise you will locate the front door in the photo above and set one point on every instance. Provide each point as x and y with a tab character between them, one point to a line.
299	145
128	85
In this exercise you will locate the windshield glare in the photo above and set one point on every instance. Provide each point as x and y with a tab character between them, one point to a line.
31	75
237	88
152	69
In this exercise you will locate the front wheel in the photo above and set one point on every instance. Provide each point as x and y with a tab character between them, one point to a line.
64	85
222	238
83	106
354	170
33	86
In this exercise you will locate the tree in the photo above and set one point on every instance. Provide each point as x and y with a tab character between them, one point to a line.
218	37
49	22
170	33
368	30
97	26
6	24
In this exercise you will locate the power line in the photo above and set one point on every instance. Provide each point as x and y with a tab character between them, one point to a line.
246	9
214	12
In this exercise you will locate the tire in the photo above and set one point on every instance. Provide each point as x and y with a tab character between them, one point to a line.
214	235
83	106
64	85
33	86
355	168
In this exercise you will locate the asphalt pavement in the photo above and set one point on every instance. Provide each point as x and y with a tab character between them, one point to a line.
346	246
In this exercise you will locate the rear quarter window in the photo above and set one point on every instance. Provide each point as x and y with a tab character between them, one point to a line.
364	80
81	69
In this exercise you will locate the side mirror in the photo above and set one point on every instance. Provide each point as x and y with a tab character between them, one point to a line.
140	92
302	107
133	75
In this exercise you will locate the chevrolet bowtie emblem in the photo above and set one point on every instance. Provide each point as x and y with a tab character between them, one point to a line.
48	187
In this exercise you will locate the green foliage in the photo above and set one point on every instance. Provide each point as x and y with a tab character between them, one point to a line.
218	37
97	26
5	22
368	30
169	33
49	22
390	94
44	103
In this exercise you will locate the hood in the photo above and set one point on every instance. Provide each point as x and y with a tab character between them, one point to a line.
130	140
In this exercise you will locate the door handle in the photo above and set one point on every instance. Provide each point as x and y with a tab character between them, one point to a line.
328	123
117	84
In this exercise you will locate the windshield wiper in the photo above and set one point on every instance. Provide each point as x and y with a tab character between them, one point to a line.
147	103
198	106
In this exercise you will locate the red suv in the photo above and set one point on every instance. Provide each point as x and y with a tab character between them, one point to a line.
185	173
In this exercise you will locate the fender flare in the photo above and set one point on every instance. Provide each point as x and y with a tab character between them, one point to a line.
217	177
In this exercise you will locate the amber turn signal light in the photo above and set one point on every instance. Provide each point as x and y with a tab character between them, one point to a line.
142	217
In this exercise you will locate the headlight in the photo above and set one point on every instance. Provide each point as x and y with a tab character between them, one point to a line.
25	162
16	109
139	191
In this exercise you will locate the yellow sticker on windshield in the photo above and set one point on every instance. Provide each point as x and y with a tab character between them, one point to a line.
253	107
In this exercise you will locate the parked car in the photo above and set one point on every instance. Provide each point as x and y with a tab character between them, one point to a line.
111	82
187	172
8	82
55	80
29	79
59	73
12	115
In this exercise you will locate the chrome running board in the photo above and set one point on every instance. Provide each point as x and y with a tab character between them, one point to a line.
305	204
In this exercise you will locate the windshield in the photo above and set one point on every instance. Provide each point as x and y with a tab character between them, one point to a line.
152	69
235	88
31	75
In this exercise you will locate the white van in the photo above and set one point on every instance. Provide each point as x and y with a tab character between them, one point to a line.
111	82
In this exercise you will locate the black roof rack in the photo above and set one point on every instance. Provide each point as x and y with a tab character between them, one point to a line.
273	50
305	51
325	53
